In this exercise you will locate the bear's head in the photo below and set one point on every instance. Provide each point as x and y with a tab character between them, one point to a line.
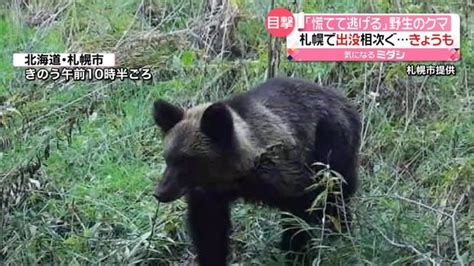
204	146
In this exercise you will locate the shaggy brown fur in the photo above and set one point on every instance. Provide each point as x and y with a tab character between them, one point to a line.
259	146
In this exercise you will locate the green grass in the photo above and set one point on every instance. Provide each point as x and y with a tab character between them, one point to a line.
78	160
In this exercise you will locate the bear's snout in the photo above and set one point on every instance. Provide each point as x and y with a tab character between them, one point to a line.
168	189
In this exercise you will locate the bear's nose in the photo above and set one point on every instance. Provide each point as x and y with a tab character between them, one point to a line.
159	197
163	197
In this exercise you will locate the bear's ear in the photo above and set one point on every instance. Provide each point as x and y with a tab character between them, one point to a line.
217	124
166	115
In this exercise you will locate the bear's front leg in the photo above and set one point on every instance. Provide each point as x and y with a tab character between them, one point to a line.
209	223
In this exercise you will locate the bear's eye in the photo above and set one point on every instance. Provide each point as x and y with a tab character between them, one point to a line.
179	159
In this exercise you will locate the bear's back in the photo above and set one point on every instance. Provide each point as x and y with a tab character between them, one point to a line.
300	105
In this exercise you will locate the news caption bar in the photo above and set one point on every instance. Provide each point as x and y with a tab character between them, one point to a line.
367	37
76	67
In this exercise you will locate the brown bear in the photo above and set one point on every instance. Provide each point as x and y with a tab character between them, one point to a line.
261	146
